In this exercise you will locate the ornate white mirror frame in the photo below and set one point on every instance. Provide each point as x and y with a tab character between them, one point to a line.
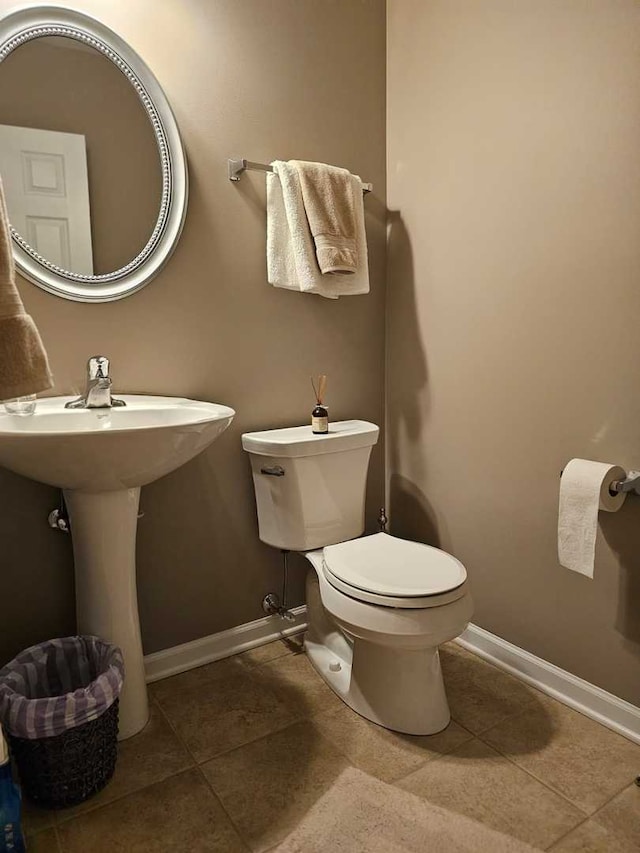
35	22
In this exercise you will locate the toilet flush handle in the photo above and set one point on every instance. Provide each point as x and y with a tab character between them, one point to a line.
274	471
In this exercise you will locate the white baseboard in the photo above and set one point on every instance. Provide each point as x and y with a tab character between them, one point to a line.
605	708
217	646
590	700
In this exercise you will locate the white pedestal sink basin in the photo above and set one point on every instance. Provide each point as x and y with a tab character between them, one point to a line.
101	458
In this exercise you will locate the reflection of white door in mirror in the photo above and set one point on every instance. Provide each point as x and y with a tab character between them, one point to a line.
47	190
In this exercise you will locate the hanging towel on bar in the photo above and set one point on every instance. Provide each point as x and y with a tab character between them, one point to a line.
330	199
291	255
24	368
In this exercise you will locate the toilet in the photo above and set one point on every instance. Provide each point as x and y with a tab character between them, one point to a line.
378	607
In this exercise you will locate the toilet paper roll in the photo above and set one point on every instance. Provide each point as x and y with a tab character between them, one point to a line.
584	491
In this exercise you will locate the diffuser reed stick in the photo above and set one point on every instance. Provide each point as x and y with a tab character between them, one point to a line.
319	391
320	415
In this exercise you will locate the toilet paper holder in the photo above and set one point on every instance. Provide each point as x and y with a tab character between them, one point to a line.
631	483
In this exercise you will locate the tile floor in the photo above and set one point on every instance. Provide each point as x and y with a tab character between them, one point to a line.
237	752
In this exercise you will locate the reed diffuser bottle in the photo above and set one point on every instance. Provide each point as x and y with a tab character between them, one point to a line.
320	415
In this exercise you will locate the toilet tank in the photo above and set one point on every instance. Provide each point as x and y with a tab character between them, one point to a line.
310	489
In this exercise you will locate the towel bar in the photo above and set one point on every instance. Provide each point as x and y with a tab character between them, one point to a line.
237	167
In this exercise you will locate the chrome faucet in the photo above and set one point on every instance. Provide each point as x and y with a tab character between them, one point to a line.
98	393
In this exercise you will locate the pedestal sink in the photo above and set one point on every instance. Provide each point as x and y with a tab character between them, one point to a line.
101	458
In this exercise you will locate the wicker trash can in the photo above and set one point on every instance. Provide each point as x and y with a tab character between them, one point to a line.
59	711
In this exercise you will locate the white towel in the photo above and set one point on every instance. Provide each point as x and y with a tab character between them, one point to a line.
291	252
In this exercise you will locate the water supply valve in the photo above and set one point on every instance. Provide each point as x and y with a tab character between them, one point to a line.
59	520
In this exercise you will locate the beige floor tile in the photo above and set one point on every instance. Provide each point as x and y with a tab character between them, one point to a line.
272	651
195	678
299	686
269	785
477	782
614	829
35	819
380	752
44	842
148	757
480	695
580	758
179	813
226	707
590	837
622	815
360	814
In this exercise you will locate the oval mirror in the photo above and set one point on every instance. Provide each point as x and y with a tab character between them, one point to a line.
91	159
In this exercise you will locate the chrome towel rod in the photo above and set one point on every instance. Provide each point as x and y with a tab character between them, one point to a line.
237	167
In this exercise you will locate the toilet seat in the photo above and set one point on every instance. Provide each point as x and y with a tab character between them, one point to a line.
391	572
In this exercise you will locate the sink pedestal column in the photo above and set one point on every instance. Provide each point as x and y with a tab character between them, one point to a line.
103	529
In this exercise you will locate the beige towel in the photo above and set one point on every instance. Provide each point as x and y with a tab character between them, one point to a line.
291	257
24	368
330	205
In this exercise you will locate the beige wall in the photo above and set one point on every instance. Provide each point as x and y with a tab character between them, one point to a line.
514	306
287	78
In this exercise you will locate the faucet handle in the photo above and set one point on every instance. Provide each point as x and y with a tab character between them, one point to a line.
98	367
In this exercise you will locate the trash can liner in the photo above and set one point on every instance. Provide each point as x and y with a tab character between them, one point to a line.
58	685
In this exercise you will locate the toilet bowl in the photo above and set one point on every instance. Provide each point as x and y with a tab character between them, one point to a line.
378	607
378	650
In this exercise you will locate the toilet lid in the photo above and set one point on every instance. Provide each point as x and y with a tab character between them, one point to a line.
387	566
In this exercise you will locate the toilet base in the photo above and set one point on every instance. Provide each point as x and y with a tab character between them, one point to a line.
399	689
396	687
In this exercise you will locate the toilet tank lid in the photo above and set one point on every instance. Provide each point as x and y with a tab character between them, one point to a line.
301	441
